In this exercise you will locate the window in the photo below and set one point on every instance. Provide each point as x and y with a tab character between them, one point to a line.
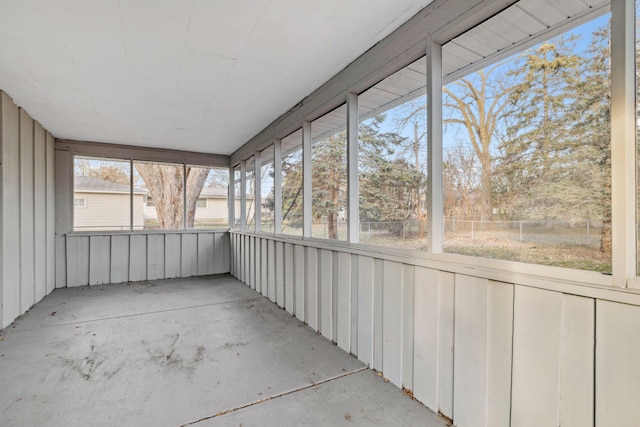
209	188
392	160
292	184
237	191
527	162
250	191
164	184
267	191
329	175
102	200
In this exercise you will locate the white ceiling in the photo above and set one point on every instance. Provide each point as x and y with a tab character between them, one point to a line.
197	75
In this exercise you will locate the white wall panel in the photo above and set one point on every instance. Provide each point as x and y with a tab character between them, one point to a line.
63	212
10	235
392	322
155	256
325	293
279	273
312	287
343	302
271	269
119	259
99	260
205	254
27	213
172	255
40	210
552	354
220	256
263	271
365	309
189	258
378	268
446	337
137	257
300	283
51	211
353	332
77	261
289	282
617	367
407	313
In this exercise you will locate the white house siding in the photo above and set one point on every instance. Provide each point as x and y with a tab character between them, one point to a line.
27	207
107	211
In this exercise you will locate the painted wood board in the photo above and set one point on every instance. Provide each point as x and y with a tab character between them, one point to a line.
27	213
392	322
365	309
408	289
172	255
312	288
99	260
299	275
271	269
155	256
189	256
51	212
289	284
343	301
279	274
119	259
137	258
325	293
77	261
40	210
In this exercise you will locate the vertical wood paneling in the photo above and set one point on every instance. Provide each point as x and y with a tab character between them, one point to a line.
289	283
40	209
77	261
220	261
365	309
27	221
172	255
226	252
299	275
499	351
312	288
64	213
119	259
264	268
576	393
617	356
536	357
325	288
99	260
392	322
10	181
271	269
353	333
205	253
137	258
378	268
446	326
254	262
189	258
426	337
279	274
343	306
155	256
408	289
51	211
470	359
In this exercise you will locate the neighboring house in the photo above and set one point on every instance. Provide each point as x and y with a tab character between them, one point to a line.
104	205
211	208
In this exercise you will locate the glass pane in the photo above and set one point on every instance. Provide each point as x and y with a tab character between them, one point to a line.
392	160
527	162
101	198
237	191
207	197
250	195
329	175
292	184
164	187
267	191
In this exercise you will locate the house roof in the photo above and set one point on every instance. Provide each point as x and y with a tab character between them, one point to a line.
88	184
214	192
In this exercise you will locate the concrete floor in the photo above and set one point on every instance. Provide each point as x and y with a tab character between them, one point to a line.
203	351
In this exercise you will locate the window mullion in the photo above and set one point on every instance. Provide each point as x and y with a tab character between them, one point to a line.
306	180
434	148
277	186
